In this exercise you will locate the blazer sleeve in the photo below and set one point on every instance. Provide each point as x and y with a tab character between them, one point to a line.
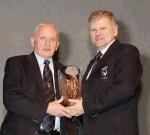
126	77
15	100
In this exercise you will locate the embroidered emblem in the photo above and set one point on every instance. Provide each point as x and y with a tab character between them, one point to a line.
104	72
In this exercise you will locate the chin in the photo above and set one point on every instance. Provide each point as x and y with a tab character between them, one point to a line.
101	45
47	56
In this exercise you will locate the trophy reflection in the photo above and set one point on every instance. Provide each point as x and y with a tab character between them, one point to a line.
69	80
69	83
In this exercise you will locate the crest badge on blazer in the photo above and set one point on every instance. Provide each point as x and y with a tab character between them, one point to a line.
104	72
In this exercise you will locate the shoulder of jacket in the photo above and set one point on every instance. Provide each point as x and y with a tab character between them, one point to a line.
17	58
124	47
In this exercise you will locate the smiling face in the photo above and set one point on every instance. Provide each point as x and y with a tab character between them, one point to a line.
102	31
45	41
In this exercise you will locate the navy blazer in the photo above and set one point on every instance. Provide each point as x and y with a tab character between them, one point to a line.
24	96
110	92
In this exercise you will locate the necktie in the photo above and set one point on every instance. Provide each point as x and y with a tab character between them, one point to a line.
93	63
96	58
48	83
48	121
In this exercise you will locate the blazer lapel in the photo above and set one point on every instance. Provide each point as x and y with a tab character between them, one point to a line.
35	70
111	50
87	71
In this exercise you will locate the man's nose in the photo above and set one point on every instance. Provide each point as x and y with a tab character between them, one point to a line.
47	42
98	32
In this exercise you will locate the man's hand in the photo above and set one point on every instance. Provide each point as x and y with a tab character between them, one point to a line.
56	109
76	107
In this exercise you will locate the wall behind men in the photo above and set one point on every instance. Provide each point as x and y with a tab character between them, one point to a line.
19	17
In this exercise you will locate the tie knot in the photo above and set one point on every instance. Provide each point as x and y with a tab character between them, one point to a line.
46	62
97	56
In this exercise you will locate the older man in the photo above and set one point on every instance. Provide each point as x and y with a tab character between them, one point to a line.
31	88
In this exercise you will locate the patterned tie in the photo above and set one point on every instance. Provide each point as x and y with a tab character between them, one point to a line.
96	58
49	93
93	63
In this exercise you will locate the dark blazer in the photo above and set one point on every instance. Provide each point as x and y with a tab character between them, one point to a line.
110	92
23	95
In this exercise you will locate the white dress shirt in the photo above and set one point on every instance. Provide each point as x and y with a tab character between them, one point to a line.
51	66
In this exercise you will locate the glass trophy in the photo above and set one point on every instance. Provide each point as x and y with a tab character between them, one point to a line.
69	83
69	80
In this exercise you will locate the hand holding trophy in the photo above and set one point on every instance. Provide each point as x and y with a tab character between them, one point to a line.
69	80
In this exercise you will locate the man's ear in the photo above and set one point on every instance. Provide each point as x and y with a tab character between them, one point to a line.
116	30
57	46
32	41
